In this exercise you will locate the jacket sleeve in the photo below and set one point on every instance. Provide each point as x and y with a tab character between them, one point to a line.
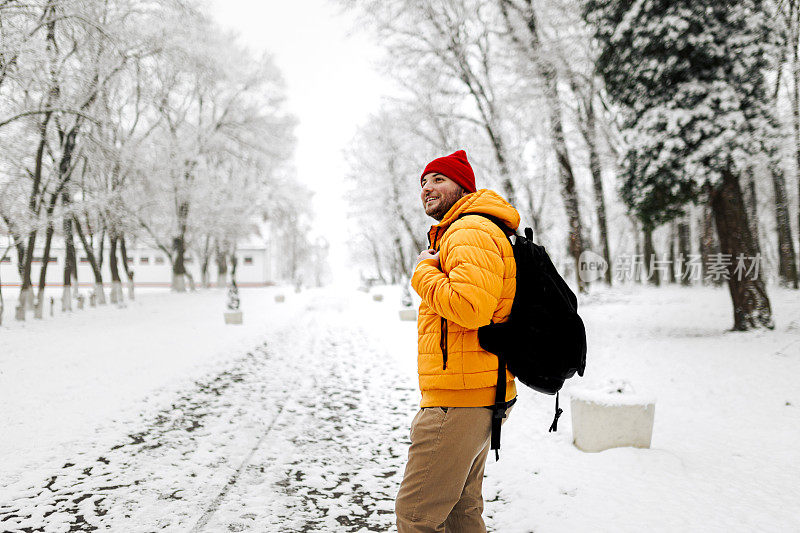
468	291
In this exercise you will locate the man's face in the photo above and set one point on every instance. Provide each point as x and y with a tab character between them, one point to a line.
439	194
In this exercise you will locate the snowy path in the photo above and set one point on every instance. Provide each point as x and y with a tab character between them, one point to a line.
270	442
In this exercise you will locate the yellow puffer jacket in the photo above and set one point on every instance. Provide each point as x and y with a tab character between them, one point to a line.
473	286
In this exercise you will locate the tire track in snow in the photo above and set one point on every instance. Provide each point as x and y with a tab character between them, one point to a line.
232	481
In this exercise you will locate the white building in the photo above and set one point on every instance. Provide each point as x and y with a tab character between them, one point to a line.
151	267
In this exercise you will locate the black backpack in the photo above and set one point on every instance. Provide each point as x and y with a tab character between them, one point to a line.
543	343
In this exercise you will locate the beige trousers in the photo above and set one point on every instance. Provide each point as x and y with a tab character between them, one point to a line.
442	486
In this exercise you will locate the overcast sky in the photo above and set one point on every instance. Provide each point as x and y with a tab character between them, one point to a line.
332	88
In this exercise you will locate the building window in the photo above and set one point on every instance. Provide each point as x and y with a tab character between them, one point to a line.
38	259
5	260
84	260
144	260
159	260
130	260
188	259
248	260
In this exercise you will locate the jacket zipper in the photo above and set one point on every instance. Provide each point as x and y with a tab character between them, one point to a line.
443	321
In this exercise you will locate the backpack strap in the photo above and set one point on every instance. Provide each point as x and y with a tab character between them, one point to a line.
498	222
500	405
554	425
499	408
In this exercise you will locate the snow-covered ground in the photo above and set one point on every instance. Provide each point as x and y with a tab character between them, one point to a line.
159	417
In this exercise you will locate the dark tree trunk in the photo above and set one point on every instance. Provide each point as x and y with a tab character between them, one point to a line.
126	265
795	44
48	240
639	270
116	281
222	267
751	307
708	245
112	258
402	265
787	267
673	254
179	249
376	256
206	259
398	208
597	181
685	249
69	265
751	204
178	265
98	275
536	217
653	275
234	263
569	193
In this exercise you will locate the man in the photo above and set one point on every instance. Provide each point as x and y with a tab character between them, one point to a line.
466	280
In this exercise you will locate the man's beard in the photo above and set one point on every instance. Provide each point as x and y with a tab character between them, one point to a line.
446	201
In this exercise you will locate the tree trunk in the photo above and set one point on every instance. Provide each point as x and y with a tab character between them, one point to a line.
98	275
126	265
222	268
178	265
685	249
796	107
653	275
116	282
597	181
205	280
376	256
43	270
751	204
637	275
190	279
234	263
787	268
708	245
206	259
402	265
48	241
69	264
535	214
2	302
673	254
398	208
751	307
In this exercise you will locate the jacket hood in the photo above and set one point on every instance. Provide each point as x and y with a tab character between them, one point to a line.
482	201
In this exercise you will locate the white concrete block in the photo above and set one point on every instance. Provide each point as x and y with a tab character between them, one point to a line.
601	420
234	317
408	314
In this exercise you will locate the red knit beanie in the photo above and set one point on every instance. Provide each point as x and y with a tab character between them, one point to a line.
456	167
